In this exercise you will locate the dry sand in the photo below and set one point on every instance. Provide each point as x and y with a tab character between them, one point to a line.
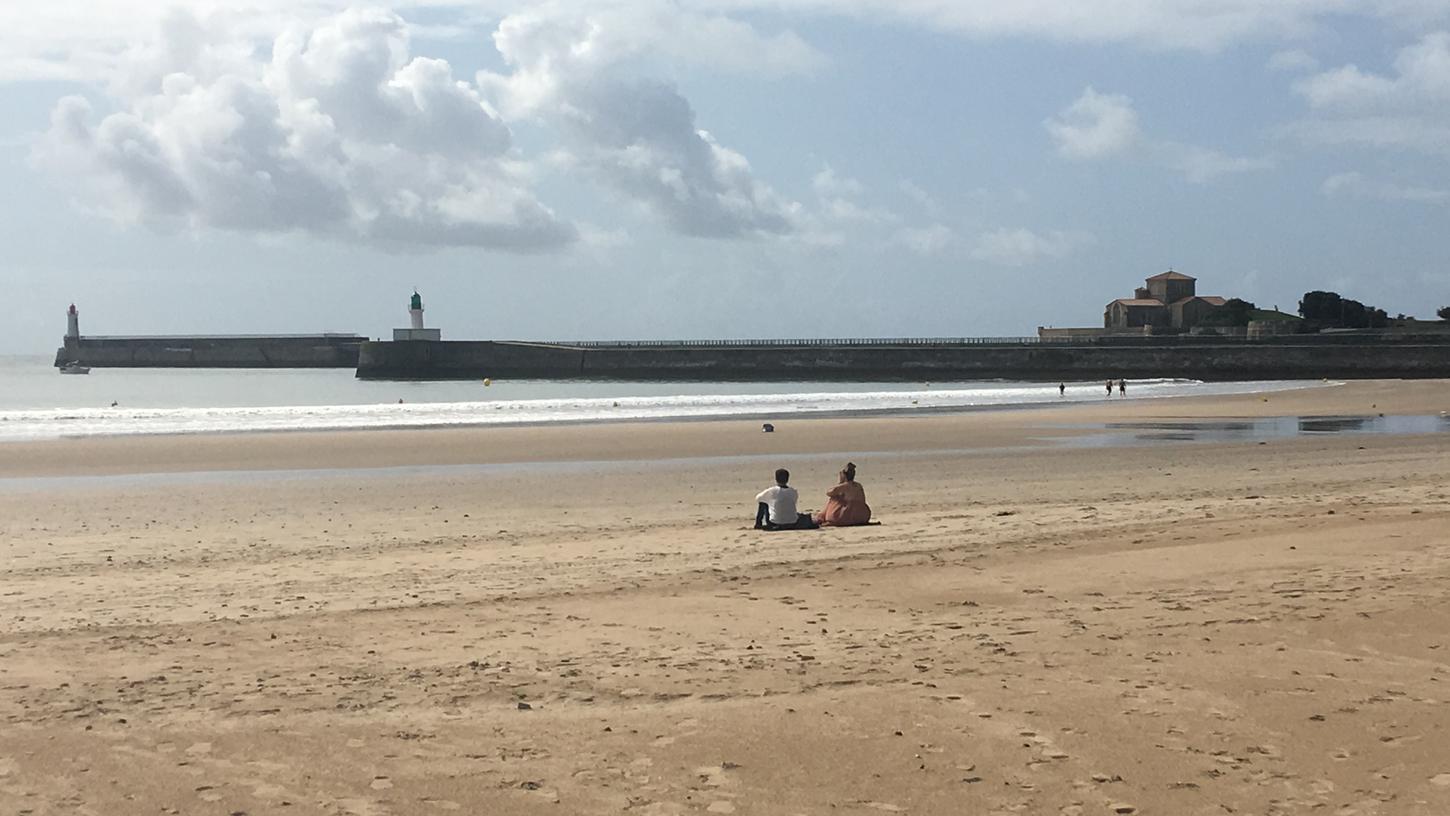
577	620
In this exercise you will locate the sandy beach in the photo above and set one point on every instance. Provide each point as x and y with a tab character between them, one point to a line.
578	619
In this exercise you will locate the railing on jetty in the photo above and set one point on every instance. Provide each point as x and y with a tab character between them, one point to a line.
204	337
1326	338
800	343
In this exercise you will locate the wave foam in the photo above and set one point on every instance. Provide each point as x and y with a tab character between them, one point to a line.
119	421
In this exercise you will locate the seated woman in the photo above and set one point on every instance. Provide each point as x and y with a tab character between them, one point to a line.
846	502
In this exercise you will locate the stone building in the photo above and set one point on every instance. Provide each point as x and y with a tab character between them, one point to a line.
1166	300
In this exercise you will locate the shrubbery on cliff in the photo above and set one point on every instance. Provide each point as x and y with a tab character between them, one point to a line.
1327	310
1235	312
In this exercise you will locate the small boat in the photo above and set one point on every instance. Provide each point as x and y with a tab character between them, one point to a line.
74	367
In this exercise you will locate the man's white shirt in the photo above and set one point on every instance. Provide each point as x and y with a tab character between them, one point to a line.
781	501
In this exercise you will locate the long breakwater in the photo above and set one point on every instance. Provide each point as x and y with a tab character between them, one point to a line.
1297	357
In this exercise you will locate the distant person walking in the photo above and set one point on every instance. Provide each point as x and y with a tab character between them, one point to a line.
1122	388
1062	389
1110	388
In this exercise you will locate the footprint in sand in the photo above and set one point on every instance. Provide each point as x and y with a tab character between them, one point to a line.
1441	780
208	793
199	749
720	807
381	783
266	790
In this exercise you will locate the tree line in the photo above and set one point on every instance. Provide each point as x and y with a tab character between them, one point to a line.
1330	311
1319	309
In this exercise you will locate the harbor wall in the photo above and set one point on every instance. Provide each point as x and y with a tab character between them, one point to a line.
290	351
467	359
1203	359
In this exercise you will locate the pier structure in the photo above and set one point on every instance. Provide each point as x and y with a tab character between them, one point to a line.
1288	357
420	353
326	350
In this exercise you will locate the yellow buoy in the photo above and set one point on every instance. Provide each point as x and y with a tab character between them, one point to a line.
487	381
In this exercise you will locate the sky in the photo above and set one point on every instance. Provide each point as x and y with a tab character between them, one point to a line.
710	168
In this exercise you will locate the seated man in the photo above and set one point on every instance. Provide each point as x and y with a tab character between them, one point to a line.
776	508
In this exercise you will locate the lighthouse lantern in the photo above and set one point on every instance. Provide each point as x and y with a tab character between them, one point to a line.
415	330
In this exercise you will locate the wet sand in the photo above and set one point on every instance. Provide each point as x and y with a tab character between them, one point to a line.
577	620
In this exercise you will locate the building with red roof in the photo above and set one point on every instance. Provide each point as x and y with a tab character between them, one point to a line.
1166	300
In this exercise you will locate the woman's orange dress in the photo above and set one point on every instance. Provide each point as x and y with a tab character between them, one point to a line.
845	506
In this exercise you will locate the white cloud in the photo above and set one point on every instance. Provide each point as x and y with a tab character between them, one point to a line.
838	200
1422	74
1201	165
1023	247
1293	60
1099	126
1094	126
829	185
638	137
932	239
1345	89
1356	184
923	199
552	45
1409	108
1341	182
573	37
704	38
1204	25
340	133
80	39
358	126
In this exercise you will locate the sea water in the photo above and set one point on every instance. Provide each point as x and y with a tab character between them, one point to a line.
37	402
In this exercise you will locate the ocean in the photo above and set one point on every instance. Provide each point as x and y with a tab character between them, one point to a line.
37	402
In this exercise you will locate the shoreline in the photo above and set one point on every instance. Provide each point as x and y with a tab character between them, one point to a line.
989	428
429	415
